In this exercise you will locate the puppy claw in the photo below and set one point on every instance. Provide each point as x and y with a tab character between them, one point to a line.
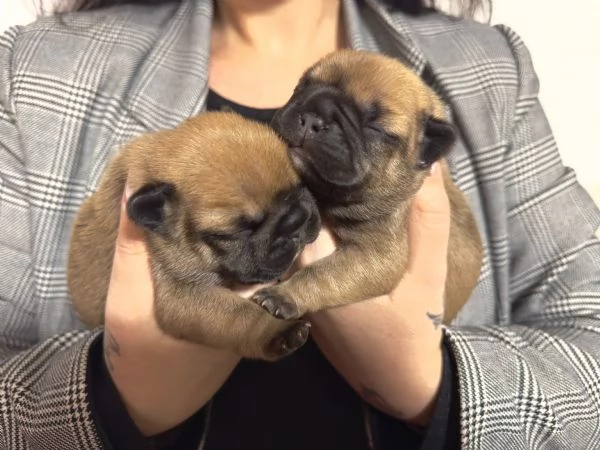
276	305
290	340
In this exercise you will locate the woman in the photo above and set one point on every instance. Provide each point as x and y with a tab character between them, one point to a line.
520	366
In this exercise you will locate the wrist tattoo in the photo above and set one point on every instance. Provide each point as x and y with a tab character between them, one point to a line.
436	319
111	348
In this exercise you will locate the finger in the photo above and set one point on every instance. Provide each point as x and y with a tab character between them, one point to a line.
429	229
130	238
323	246
130	291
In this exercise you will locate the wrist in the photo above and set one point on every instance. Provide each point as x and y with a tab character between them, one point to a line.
162	381
396	366
409	395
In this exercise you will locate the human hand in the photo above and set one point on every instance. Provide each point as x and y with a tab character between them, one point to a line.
389	348
161	380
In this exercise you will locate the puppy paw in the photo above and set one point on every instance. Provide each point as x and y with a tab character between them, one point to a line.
276	304
290	340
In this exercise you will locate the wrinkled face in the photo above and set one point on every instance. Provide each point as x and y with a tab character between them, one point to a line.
262	246
327	134
356	118
233	206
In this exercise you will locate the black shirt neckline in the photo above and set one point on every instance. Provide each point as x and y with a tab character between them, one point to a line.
217	102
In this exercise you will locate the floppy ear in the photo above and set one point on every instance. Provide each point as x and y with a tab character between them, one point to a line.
438	138
148	206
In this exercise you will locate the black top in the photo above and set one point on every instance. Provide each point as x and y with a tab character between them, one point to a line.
297	403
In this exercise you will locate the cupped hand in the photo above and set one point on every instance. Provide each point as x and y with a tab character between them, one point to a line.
389	348
162	380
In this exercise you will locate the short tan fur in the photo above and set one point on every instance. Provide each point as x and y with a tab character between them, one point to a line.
371	230
220	167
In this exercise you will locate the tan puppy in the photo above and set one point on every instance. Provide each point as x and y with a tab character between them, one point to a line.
363	132
220	204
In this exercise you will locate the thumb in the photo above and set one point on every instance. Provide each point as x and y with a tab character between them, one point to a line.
130	238
429	230
131	284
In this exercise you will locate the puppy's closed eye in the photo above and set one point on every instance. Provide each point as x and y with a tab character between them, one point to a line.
244	226
372	116
252	223
371	113
377	131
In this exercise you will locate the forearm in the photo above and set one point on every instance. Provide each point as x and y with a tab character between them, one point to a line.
117	429
164	382
382	378
443	430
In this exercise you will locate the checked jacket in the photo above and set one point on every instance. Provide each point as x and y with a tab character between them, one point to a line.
74	89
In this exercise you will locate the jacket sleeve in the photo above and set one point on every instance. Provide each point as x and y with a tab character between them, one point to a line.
43	395
534	381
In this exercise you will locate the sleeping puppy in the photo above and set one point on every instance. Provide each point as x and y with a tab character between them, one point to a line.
363	131
220	204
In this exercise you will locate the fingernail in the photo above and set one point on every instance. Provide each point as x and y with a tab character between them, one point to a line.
128	191
125	196
435	169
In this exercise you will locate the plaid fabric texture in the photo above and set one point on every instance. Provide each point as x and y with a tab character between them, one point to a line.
73	90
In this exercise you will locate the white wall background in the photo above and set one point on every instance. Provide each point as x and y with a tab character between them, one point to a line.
565	47
566	52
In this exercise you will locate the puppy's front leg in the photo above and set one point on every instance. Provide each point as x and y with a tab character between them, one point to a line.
349	275
220	318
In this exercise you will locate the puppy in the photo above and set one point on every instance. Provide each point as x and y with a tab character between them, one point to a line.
363	132
219	204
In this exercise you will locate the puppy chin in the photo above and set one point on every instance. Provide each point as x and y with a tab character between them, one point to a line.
268	271
259	277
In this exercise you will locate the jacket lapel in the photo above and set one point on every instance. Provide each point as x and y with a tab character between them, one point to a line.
172	80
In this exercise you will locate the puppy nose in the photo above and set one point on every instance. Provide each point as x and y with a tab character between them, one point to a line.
311	123
293	220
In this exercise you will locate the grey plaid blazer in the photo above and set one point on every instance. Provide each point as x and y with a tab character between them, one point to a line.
527	344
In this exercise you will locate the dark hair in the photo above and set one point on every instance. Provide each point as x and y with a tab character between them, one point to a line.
467	8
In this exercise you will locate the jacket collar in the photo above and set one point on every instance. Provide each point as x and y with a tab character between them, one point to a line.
172	81
393	27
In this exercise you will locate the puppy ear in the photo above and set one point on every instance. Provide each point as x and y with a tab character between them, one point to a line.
148	206
438	138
